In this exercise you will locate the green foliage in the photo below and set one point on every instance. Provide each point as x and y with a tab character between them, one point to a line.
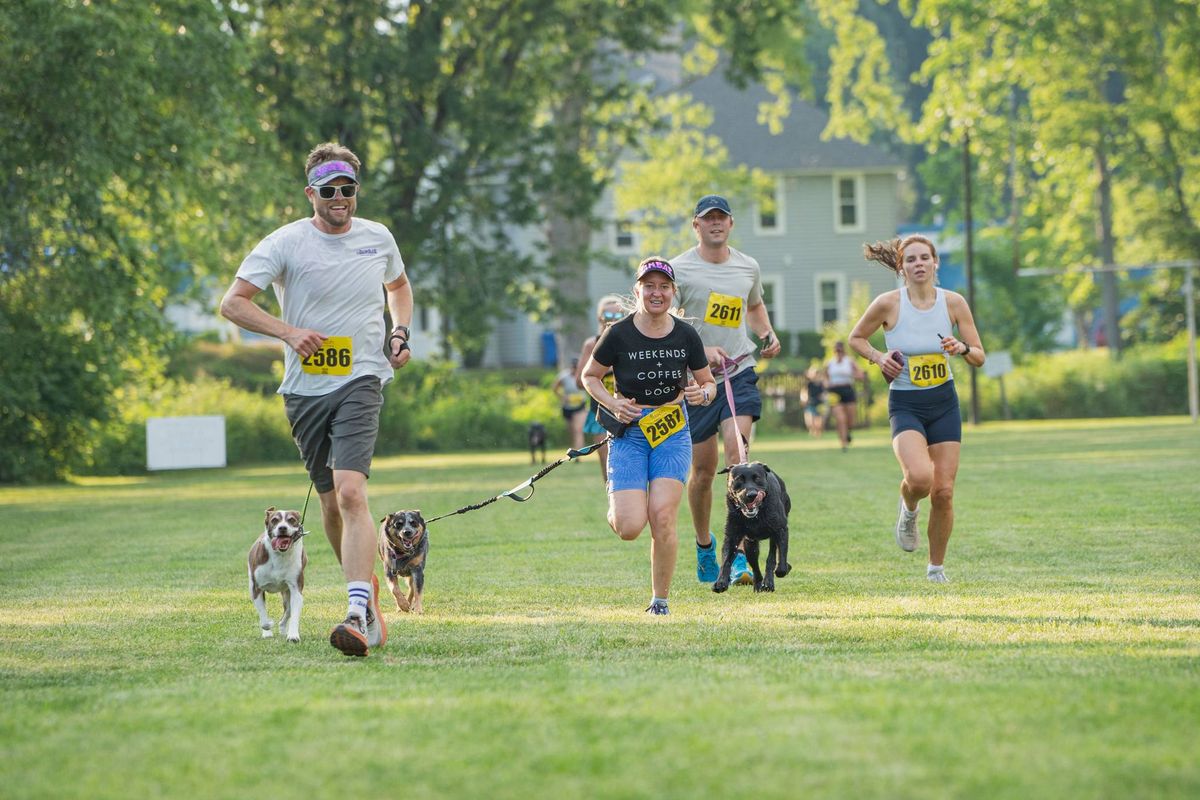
1150	380
256	368
430	407
130	134
1089	383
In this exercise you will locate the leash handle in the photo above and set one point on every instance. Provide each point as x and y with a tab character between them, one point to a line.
726	365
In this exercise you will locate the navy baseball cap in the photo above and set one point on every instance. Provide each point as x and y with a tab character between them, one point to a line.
655	265
710	202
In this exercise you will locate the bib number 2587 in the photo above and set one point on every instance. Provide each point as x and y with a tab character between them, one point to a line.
661	423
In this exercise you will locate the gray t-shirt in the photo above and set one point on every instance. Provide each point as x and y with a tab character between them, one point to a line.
332	283
714	298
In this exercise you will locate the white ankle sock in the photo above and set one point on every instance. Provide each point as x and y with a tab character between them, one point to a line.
359	594
931	569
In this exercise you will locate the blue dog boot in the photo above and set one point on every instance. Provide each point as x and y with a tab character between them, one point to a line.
706	561
741	571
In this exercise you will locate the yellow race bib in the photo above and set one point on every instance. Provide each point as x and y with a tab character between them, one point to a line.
610	383
661	424
724	310
929	370
334	358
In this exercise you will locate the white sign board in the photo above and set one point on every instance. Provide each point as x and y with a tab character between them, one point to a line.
998	364
185	442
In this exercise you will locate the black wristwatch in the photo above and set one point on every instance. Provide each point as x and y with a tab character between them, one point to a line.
966	350
396	334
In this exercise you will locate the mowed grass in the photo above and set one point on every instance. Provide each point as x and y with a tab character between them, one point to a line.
1062	661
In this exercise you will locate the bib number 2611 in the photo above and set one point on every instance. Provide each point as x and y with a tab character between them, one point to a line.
724	310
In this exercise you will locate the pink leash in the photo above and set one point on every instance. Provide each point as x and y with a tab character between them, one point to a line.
728	364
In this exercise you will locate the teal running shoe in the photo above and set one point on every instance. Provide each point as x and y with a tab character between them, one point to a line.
741	571
706	562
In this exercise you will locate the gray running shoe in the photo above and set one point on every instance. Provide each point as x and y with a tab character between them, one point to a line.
906	528
350	636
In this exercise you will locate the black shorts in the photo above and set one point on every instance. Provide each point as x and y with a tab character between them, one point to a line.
845	394
336	430
705	421
933	413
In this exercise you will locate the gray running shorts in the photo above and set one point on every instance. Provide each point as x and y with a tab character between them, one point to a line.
336	430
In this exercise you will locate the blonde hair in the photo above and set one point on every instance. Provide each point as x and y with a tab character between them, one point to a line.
608	300
891	253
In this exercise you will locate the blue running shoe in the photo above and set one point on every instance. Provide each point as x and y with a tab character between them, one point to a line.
706	561
741	571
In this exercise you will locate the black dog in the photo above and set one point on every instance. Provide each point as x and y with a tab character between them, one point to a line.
757	508
403	546
537	441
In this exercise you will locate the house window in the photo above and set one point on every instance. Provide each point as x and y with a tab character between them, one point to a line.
769	211
772	297
848	216
624	242
830	294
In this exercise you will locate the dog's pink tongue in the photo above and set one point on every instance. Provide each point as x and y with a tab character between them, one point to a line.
283	543
758	500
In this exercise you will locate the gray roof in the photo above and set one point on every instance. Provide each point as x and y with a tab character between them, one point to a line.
798	147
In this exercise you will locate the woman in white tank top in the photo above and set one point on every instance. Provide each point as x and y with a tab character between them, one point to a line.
841	374
919	321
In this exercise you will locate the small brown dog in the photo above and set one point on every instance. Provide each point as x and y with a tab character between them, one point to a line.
276	564
403	546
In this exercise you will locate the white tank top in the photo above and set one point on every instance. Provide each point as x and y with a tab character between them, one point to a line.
841	373
917	333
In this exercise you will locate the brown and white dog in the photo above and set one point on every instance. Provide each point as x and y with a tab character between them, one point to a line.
276	564
403	546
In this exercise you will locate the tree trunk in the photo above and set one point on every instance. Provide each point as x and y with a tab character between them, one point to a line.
1107	244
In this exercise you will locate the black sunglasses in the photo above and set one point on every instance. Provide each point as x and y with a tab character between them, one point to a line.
328	192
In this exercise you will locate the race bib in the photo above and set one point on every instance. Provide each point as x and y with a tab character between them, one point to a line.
610	383
661	424
724	310
334	358
574	400
928	370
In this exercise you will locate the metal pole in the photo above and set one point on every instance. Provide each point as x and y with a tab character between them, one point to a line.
970	250
1190	305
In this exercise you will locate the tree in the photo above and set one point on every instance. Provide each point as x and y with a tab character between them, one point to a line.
119	161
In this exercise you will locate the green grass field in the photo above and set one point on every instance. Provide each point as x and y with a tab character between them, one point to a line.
1062	661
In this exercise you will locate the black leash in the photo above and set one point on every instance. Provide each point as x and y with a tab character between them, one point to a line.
513	493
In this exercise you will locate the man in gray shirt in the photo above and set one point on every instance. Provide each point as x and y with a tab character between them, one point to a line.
327	271
720	293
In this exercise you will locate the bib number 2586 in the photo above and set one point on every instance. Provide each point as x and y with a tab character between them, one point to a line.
334	358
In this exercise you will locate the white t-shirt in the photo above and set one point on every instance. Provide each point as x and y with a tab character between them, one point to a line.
332	283
714	299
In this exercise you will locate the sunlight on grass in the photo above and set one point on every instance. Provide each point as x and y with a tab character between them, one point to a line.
1062	661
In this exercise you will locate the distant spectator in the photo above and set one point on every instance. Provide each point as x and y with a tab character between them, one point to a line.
841	373
815	407
573	401
610	309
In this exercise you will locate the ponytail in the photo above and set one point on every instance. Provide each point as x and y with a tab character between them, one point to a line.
891	252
